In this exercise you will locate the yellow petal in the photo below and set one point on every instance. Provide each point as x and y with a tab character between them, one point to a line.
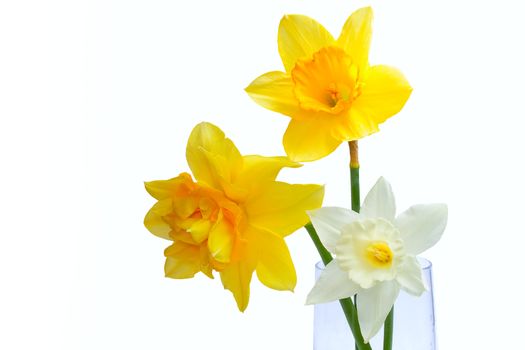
309	139
199	230
236	277
211	156
182	235
299	37
183	207
356	36
154	221
258	170
182	260
205	262
282	207
354	126
274	91
233	192
384	94
220	241
275	268
161	189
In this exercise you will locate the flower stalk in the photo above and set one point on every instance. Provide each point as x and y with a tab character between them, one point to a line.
389	331
325	255
354	176
355	191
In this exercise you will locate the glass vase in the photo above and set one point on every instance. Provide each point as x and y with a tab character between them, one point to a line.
414	323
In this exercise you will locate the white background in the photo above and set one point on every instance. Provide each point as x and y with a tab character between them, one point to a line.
98	96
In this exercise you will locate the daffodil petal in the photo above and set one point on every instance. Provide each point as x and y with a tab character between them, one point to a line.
383	95
182	235
274	91
300	37
258	170
275	268
154	221
233	191
333	284
380	201
221	240
183	207
309	139
161	189
211	156
422	226
282	207
356	36
199	230
329	221
410	277
357	126
182	260
373	306
236	277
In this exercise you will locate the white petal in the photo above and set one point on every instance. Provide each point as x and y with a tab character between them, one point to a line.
421	226
410	277
333	284
380	201
329	221
373	306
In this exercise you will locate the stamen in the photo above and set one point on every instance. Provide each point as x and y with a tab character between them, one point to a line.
379	254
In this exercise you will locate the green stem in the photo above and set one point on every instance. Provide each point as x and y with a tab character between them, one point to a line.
354	176
356	196
389	331
355	191
326	257
346	304
351	317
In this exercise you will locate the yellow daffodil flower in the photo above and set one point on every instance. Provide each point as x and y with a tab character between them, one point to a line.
233	219
329	89
375	253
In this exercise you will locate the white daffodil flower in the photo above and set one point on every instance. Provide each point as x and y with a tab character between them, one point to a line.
375	253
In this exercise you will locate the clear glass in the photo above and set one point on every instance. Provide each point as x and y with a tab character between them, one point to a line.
414	322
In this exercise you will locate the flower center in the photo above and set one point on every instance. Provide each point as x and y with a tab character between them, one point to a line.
379	254
203	213
327	82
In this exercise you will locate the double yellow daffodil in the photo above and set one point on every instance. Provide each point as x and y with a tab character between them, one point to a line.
233	219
